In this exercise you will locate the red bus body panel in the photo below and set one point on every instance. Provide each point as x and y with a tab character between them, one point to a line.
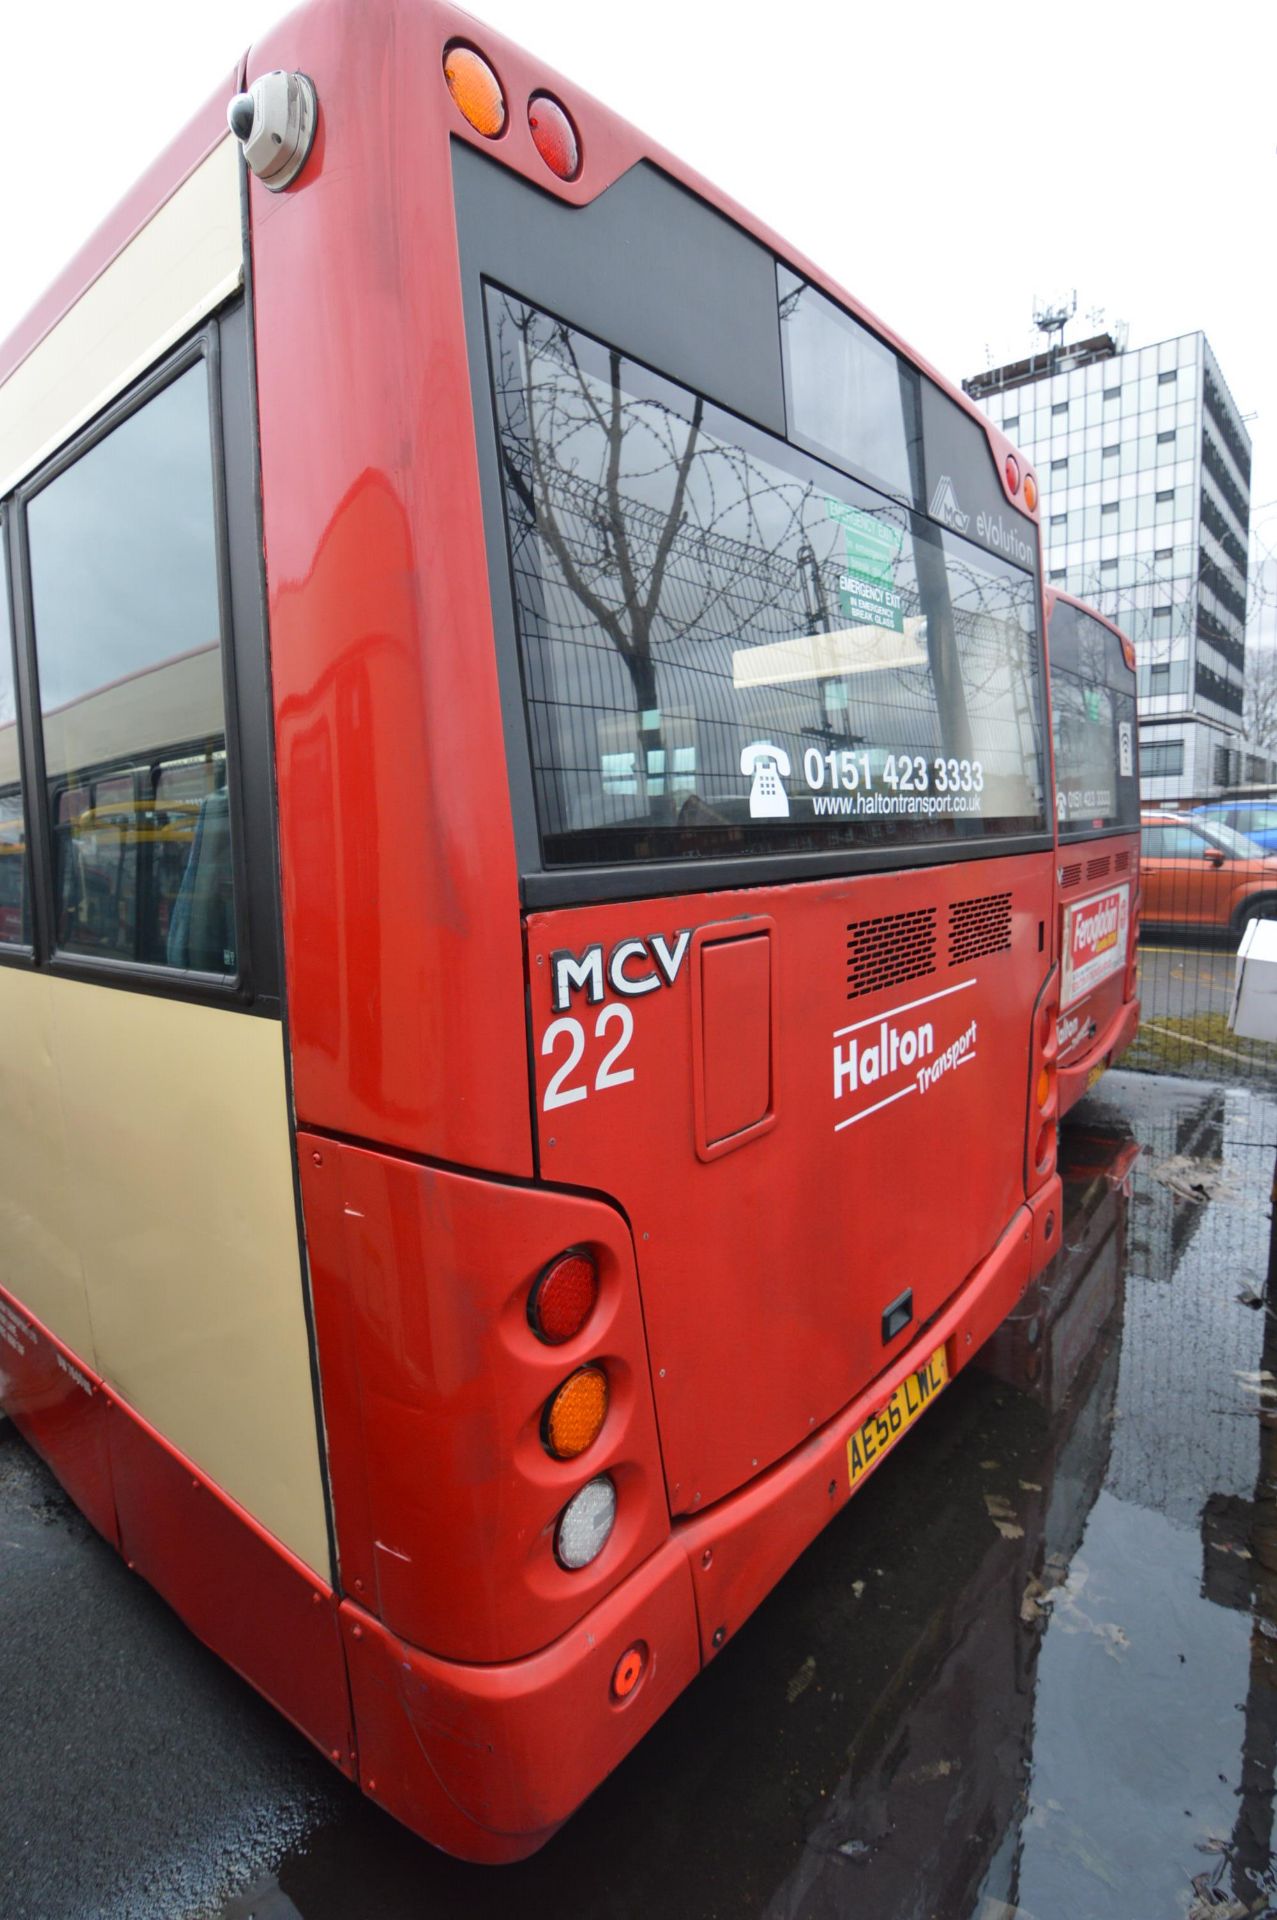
766	1270
434	1381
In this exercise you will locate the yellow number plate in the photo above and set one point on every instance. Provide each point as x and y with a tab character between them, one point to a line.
880	1434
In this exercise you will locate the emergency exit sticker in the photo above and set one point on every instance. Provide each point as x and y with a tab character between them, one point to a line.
866	591
1125	750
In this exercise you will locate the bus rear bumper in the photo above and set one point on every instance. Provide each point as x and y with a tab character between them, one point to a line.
487	1761
1117	1036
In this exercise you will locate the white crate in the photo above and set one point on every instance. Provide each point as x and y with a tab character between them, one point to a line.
1254	1010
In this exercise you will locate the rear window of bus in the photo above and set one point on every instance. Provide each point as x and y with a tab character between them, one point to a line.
1093	727
729	647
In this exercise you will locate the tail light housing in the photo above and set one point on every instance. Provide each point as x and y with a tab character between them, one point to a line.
554	136
1044	1104
475	89
574	1415
563	1296
585	1524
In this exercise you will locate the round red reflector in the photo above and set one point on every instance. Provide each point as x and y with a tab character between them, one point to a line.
628	1673
1030	492
563	1297
1013	473
476	90
1045	1147
554	136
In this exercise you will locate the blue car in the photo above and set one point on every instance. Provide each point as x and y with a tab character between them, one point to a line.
1257	819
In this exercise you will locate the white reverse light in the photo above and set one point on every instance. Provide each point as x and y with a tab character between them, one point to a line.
586	1523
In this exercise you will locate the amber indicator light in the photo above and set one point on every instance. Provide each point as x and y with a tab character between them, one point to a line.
1030	492
476	90
554	136
573	1418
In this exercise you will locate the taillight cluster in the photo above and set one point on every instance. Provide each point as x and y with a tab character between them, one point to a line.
1011	472
563	1296
1131	982
1043	1101
480	98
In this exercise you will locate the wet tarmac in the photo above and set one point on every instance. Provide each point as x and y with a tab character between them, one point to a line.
1029	1673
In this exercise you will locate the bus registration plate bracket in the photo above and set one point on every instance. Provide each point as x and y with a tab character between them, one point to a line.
881	1430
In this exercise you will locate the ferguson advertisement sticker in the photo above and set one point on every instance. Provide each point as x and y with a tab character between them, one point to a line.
1094	941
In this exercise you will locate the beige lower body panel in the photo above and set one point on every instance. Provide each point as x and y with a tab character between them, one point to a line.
147	1218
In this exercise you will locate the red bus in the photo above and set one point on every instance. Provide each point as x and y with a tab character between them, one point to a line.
1097	790
534	1055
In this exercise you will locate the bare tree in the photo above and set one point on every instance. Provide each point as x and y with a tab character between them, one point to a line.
1260	715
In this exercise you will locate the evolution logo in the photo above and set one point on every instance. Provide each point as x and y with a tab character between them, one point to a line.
889	1051
1004	538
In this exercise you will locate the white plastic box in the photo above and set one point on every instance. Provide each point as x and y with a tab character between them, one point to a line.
1254	1010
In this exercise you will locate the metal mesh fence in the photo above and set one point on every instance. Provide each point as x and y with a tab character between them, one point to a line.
1203	882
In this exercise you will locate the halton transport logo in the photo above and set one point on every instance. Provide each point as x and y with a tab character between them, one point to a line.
888	1056
945	508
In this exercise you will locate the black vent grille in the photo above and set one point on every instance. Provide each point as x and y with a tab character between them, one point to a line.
1070	875
896	946
1098	869
1121	862
979	926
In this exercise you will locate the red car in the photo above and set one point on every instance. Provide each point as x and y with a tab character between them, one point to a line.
1199	873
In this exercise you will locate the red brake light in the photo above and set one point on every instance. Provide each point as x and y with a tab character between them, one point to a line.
563	1297
554	136
1013	474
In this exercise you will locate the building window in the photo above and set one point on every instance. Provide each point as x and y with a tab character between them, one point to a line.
1167	493
1159	676
1164	553
1109	506
1162	757
1112	393
1012	421
1108	452
1165	379
1165	439
1058	573
1061	406
1058	519
1108	566
1058	466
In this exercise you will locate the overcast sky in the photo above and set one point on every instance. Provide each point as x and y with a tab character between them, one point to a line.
950	165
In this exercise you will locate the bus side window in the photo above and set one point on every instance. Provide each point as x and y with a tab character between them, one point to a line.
124	579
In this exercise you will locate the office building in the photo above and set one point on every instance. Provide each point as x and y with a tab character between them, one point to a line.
1143	463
